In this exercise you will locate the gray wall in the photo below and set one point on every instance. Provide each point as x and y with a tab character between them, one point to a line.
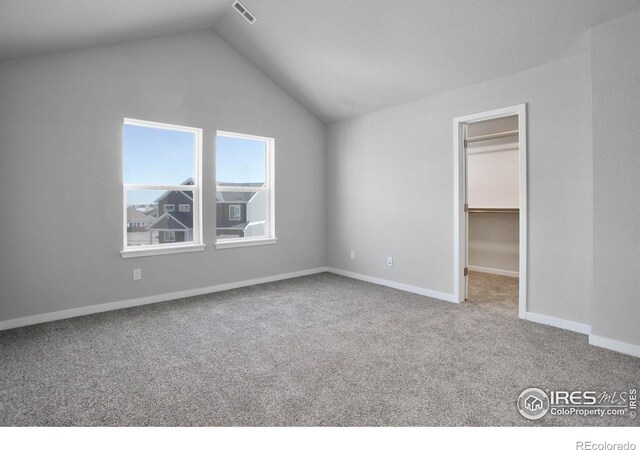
60	140
404	156
616	148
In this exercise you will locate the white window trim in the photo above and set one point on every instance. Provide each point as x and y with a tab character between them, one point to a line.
165	235
237	208
184	207
169	208
197	244
166	249
244	242
268	187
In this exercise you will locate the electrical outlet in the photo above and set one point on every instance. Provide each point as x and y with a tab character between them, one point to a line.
353	254
389	261
137	274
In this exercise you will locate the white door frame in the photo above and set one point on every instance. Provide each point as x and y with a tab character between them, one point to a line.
459	216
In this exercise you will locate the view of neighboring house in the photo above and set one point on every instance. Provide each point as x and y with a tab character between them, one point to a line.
240	214
175	217
170	218
137	220
149	210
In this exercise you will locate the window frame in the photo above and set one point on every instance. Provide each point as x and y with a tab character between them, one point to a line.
167	233
238	209
169	208
197	244
268	187
184	207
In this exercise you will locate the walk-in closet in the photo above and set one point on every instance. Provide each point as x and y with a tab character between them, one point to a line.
493	211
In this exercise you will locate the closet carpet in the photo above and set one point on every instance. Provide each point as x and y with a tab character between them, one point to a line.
317	350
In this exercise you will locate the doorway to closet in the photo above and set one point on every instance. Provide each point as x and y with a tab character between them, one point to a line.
490	209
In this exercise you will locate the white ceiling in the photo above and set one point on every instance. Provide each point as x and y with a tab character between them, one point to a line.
34	27
340	58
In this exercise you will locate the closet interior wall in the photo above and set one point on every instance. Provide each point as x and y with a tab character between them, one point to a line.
493	191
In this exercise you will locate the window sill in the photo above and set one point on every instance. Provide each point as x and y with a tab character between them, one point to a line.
136	253
244	242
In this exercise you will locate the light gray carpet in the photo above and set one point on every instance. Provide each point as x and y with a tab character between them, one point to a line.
318	350
494	291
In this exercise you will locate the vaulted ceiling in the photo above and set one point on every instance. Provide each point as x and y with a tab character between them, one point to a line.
340	58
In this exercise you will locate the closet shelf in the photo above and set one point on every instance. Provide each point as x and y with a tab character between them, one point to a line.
495	210
491	136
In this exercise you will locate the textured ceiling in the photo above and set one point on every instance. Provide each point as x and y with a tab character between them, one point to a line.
340	58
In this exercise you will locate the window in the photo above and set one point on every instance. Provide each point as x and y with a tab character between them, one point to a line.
184	208
234	212
162	168
244	185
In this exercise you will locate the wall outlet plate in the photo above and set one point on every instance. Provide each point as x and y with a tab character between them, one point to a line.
389	261
353	254
137	274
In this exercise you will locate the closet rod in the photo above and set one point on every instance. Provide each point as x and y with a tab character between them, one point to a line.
495	210
492	136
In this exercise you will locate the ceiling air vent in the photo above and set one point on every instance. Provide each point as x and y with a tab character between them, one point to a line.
244	12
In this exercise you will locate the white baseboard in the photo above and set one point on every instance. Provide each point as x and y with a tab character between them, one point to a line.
558	323
85	310
616	346
394	284
506	273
